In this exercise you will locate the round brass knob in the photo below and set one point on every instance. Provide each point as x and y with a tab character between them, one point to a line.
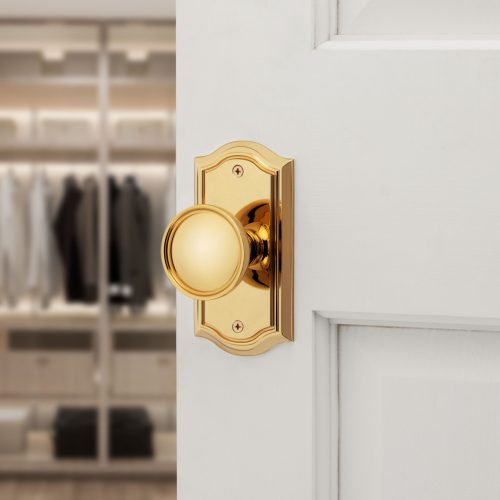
206	252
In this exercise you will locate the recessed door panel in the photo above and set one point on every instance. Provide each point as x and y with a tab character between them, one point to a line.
419	18
419	414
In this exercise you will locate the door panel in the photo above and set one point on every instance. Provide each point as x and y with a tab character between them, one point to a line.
419	18
396	209
419	413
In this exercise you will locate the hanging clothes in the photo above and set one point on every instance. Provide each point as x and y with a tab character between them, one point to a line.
133	220
65	228
41	266
12	239
87	238
115	292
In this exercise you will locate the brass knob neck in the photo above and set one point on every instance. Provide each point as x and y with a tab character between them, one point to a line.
259	239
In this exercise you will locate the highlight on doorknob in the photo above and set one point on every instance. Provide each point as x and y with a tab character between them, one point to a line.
208	251
233	250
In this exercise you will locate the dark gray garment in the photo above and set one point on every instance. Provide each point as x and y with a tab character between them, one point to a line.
133	220
66	233
114	287
86	220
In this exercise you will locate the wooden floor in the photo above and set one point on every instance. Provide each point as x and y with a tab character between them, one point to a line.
112	489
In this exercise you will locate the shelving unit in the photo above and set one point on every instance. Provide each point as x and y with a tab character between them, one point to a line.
108	73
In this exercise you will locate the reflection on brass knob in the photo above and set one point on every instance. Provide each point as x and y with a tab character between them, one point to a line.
206	251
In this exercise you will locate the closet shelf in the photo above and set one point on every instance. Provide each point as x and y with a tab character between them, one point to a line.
36	154
33	400
145	400
50	81
64	153
59	316
68	323
27	465
75	322
142	154
123	81
87	81
149	324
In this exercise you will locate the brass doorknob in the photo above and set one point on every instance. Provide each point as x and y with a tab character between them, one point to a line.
207	251
235	246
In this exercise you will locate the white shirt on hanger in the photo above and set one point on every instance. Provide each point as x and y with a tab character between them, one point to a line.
12	238
41	251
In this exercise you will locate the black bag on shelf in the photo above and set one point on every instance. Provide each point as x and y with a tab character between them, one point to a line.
76	433
131	433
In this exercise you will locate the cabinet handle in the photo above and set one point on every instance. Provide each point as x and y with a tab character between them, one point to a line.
43	360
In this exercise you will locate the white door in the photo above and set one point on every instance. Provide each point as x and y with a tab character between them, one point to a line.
391	110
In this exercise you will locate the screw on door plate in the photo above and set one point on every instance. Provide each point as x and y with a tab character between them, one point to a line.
238	170
238	326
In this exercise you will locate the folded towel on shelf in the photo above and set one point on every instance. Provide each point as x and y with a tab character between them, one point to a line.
14	423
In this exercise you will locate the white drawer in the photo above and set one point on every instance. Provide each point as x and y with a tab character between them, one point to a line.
49	373
74	129
14	127
65	132
143	129
14	423
144	374
8	130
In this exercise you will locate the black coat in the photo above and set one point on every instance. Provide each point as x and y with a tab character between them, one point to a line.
65	228
132	222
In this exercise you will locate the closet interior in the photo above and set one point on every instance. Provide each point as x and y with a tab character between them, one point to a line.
87	184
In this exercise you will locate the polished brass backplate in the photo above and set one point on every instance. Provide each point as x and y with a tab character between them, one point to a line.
233	251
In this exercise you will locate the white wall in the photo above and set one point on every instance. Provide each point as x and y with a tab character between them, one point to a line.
88	9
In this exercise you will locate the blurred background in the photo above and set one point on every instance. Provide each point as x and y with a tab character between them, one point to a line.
87	318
